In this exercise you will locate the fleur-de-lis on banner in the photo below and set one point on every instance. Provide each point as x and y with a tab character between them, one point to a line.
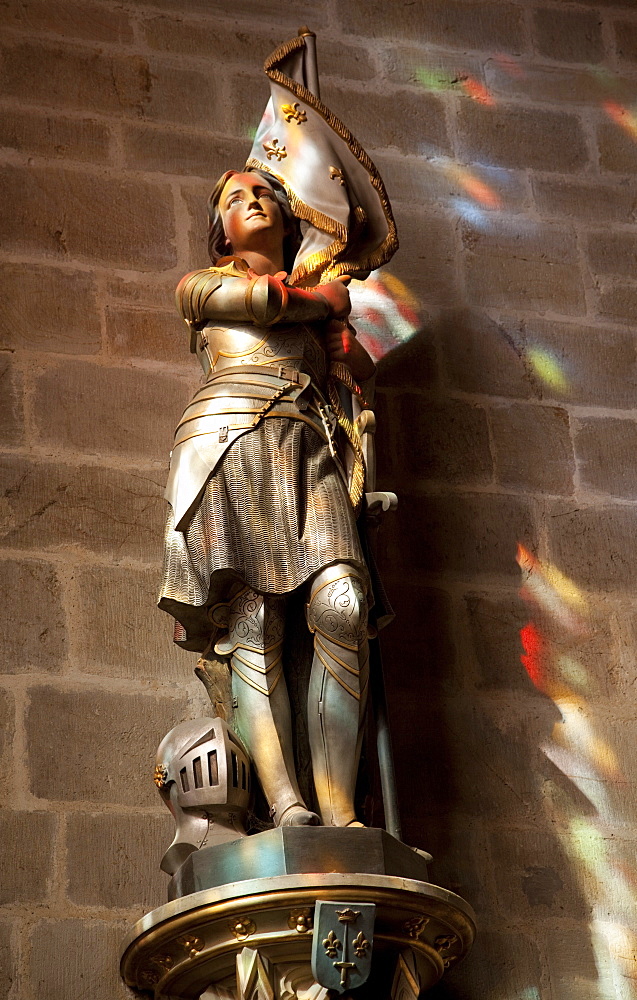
291	112
337	175
273	149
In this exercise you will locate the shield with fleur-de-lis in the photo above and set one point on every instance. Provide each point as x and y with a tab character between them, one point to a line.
342	945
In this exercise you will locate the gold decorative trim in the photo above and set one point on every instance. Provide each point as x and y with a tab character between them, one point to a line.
337	175
160	776
273	149
225	395
328	583
337	642
242	927
253	684
248	302
443	945
191	944
213	915
301	921
333	656
416	926
291	113
284	50
445	941
339	680
253	666
239	645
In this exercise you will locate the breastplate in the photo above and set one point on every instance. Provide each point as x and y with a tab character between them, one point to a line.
228	347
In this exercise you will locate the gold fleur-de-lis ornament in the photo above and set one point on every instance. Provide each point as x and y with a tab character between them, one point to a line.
292	113
273	149
331	945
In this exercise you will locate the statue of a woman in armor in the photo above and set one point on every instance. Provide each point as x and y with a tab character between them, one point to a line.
267	470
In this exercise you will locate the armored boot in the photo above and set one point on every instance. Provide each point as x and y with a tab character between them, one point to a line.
337	698
256	624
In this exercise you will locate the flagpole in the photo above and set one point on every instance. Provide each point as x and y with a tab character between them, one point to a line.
311	62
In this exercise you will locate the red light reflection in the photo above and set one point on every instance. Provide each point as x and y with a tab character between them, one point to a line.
476	188
477	91
534	646
622	117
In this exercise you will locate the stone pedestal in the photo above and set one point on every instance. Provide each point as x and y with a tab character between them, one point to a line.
240	925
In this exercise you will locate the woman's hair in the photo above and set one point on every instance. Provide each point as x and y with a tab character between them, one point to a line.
217	240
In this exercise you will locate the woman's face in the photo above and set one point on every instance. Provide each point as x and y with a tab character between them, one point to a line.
250	213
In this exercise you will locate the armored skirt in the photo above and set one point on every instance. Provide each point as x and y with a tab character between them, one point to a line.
273	513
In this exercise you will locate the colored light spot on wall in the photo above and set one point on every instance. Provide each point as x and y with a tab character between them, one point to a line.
534	650
603	75
622	116
548	368
400	291
573	672
471	213
525	559
565	587
622	943
590	798
479	190
477	91
478	218
431	80
530	993
555	593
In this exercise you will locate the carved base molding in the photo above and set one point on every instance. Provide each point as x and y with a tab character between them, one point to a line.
257	940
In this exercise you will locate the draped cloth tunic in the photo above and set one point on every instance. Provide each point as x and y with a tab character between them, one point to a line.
256	492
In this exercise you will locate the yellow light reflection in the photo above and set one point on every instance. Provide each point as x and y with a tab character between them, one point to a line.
576	733
548	368
573	672
553	592
566	589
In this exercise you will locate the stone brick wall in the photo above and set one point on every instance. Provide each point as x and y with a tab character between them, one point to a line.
505	133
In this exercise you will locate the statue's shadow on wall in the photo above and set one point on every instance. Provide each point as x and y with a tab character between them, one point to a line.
468	724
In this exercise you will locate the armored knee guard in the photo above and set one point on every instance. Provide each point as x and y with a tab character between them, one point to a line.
254	642
337	617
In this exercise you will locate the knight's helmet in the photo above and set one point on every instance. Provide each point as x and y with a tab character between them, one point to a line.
203	775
